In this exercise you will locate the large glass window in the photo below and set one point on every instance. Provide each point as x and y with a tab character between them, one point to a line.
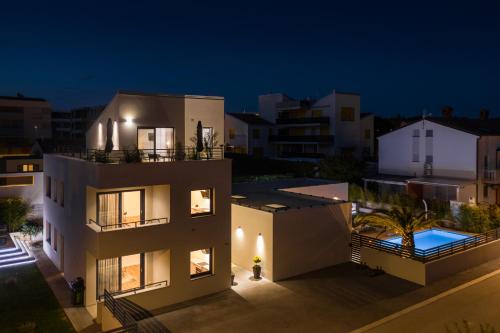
155	138
120	274
202	202
208	136
201	263
117	209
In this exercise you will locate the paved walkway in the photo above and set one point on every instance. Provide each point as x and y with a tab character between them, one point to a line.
79	316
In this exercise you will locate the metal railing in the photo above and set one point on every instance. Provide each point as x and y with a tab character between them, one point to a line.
133	291
302	138
119	312
428	254
128	225
147	155
303	120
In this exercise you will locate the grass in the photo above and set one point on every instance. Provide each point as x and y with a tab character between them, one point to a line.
27	303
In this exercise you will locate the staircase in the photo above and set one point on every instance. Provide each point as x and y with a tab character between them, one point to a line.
17	255
355	248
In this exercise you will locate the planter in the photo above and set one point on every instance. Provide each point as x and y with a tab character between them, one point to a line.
256	272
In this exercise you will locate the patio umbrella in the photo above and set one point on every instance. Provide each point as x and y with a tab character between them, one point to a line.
109	136
199	137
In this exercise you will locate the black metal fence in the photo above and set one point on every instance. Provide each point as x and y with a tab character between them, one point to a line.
148	155
428	254
126	225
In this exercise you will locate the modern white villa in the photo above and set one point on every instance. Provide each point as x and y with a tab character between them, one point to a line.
248	133
451	159
150	219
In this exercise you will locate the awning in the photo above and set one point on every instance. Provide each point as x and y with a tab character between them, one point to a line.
441	181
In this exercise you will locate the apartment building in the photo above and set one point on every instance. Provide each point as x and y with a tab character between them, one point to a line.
451	159
22	177
248	133
23	120
72	125
317	128
153	227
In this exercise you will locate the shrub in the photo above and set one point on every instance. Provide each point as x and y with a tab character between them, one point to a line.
133	155
343	168
475	219
13	212
31	230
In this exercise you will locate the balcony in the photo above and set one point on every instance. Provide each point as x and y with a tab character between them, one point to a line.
491	176
126	225
148	155
303	121
301	155
302	138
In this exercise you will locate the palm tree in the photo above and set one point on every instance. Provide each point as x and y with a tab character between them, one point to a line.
403	220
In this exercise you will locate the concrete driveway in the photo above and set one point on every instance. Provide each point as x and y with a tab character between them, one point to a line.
337	299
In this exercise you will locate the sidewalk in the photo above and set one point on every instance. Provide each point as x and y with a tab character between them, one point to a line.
79	316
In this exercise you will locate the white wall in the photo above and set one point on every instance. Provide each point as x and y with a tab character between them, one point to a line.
241	132
454	152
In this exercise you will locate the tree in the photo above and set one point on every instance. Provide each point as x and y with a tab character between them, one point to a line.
31	230
199	137
109	136
13	212
404	220
343	168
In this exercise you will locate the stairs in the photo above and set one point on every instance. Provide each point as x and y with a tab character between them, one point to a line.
355	248
18	255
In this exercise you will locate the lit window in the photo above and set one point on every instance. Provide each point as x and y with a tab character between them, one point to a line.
347	114
201	263
202	202
27	167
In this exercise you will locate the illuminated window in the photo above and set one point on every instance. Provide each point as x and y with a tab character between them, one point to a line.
202	202
201	263
16	181
27	167
347	114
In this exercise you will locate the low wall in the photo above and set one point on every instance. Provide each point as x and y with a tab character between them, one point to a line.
425	273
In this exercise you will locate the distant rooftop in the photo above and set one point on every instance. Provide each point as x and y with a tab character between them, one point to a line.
266	195
22	98
365	114
137	93
250	118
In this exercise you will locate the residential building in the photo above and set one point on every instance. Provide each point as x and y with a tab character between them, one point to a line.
451	159
316	128
70	127
23	120
152	227
367	121
248	133
295	225
22	177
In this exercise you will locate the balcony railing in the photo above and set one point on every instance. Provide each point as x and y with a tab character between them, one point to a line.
302	138
127	225
148	155
491	175
428	254
305	121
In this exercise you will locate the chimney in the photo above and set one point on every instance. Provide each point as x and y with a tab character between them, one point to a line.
447	112
484	114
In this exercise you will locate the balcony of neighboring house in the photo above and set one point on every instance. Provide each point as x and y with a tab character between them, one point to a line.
309	121
491	176
111	210
329	139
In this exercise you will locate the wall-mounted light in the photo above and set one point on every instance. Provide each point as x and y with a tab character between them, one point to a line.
336	198
239	232
116	143
260	244
100	137
129	121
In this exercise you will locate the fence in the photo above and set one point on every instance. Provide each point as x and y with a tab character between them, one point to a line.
428	254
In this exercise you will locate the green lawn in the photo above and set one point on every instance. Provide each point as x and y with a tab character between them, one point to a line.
27	303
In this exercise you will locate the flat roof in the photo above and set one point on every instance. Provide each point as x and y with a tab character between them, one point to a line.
266	195
444	181
389	179
137	93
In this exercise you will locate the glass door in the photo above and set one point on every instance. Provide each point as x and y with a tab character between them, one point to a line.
120	274
120	209
132	271
108	209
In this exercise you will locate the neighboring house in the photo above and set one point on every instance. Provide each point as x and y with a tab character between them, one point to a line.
247	133
156	232
22	177
316	128
451	159
367	121
23	120
294	225
72	125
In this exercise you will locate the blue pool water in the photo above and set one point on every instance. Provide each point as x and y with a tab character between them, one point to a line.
431	238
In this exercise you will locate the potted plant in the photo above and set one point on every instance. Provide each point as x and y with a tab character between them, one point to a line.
256	267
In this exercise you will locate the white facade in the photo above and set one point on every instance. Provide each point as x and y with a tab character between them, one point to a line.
247	136
453	152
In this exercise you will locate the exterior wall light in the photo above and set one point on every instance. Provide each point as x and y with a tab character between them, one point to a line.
260	244
129	121
335	198
116	143
239	232
100	137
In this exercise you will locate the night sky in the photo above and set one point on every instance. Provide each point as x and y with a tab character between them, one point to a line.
402	58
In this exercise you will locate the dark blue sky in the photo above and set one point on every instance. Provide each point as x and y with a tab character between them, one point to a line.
401	56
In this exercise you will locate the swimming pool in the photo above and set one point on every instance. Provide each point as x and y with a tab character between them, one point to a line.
431	238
